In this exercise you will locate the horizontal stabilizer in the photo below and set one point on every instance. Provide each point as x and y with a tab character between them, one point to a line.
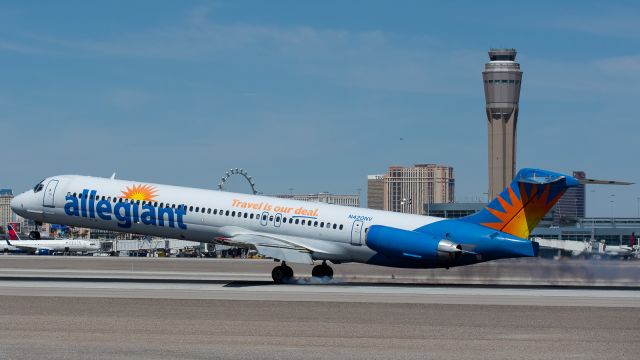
603	182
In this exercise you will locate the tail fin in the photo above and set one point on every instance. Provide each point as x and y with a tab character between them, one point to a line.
521	206
12	234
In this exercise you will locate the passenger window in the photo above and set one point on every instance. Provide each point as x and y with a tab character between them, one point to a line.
251	216
233	213
322	224
315	224
297	221
190	208
334	226
80	196
284	220
215	211
226	213
197	208
328	225
303	221
271	218
264	217
340	226
239	213
246	215
209	211
309	223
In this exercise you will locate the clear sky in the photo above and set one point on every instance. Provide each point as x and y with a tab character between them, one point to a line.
314	96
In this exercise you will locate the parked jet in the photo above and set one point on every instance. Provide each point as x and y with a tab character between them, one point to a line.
301	232
45	247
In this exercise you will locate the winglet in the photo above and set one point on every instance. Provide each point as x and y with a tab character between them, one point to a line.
113	176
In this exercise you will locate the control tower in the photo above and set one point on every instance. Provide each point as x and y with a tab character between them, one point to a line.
502	78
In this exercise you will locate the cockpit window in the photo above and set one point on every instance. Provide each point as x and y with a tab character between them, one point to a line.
38	187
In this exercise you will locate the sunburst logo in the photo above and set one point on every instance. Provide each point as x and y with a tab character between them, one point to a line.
140	192
523	211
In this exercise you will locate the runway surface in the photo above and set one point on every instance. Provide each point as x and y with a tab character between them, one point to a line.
78	308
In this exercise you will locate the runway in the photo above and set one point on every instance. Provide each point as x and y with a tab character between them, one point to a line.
166	310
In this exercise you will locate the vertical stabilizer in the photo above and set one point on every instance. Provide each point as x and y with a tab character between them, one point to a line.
521	206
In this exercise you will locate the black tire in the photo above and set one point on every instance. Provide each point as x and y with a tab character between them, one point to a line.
289	272
328	272
317	271
279	274
34	235
322	271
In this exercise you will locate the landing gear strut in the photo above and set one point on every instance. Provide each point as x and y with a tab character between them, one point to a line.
282	273
322	271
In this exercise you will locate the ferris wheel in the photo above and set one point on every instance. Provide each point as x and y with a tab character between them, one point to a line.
240	172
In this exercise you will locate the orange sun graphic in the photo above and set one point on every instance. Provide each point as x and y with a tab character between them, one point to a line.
139	192
524	213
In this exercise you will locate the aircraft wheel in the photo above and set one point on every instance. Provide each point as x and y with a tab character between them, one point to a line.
322	271
289	272
34	235
281	274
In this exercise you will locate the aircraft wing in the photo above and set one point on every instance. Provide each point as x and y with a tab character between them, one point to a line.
286	248
23	247
276	248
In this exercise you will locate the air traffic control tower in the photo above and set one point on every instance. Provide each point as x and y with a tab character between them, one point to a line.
502	78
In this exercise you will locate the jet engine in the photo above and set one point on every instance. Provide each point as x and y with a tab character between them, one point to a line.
404	243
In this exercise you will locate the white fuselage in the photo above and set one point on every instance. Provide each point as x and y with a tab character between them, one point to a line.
338	232
75	245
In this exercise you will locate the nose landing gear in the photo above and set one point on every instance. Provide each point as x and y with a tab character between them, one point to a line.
34	235
281	274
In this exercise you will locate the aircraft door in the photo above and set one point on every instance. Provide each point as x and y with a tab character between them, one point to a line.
278	220
264	218
49	193
356	233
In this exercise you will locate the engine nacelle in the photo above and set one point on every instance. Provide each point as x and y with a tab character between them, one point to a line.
403	243
43	252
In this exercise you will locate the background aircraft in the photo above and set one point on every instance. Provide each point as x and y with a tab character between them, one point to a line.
46	247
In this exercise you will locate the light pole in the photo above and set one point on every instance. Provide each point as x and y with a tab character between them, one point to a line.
638	198
611	202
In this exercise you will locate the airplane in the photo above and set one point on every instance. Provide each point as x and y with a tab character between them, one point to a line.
291	231
615	251
46	247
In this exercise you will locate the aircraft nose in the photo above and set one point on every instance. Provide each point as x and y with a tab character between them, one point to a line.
17	204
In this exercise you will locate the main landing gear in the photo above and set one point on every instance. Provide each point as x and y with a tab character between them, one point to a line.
322	271
282	273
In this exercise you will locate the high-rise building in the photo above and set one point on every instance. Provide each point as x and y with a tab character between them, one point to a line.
375	192
324	197
407	189
6	214
572	204
502	80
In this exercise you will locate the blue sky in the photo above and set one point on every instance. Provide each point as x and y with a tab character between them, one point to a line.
314	95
